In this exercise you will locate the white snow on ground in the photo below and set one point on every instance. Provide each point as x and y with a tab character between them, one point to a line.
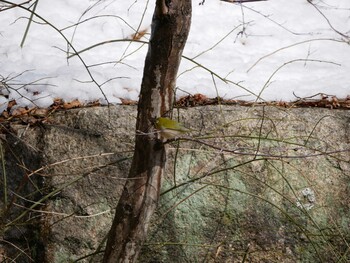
271	49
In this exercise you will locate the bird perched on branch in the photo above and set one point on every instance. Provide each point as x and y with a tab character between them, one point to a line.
170	129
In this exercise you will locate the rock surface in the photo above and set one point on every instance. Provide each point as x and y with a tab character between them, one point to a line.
261	184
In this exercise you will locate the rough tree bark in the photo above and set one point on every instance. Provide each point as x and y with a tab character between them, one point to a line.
170	28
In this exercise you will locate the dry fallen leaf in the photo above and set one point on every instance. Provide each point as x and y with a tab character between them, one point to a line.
19	112
138	35
72	104
11	104
40	112
57	102
128	102
200	98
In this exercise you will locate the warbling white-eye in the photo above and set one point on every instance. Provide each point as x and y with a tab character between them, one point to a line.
169	128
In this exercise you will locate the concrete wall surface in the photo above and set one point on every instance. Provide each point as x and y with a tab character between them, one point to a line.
248	184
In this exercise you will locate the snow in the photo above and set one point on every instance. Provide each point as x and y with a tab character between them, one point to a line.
270	50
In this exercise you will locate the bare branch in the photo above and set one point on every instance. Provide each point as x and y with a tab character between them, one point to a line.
329	23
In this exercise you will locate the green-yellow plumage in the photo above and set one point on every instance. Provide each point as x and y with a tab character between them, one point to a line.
169	128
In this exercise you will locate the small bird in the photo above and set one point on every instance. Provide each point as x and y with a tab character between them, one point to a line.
170	129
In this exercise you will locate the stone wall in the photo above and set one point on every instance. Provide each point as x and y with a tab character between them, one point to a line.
261	184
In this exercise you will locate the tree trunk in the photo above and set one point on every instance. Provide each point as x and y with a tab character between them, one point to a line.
170	28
